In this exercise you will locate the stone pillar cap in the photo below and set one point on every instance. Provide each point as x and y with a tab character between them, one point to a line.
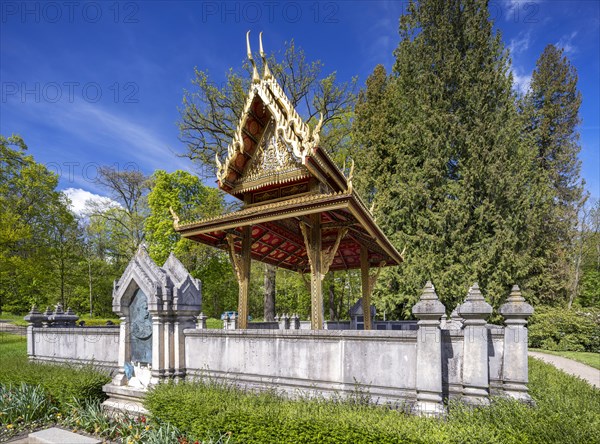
58	309
475	306
34	316
429	306
515	306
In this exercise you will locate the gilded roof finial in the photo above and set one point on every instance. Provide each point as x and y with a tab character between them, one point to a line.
218	163
255	77
350	176
266	72
175	217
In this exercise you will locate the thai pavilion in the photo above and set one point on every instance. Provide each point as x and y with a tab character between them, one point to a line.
299	211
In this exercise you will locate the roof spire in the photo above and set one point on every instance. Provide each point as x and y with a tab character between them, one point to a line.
255	77
266	72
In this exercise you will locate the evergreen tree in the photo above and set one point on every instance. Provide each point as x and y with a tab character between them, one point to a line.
550	111
446	163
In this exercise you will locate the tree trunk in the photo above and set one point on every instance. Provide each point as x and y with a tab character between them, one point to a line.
62	283
340	308
332	301
269	308
90	283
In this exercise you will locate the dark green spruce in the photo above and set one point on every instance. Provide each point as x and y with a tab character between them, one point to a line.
445	164
550	113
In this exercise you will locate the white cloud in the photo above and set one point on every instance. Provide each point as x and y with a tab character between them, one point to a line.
99	128
519	44
521	81
79	198
566	43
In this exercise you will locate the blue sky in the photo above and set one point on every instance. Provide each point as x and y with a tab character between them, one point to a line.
99	83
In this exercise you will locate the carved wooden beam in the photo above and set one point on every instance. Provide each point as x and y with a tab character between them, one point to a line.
374	276
304	228
175	217
234	257
329	254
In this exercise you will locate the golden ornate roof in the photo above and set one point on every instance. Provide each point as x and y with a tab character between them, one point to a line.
275	166
270	134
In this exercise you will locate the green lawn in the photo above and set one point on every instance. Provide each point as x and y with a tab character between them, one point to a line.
14	319
95	321
588	358
214	323
12	346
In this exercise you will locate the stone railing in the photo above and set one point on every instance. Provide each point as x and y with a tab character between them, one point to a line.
56	318
462	357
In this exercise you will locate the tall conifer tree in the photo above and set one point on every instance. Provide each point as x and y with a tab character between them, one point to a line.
550	111
447	165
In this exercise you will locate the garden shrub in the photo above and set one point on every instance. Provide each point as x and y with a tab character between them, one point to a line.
62	383
560	329
568	410
24	403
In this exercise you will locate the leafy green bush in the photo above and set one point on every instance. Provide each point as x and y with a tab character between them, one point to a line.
89	416
98	322
568	410
560	329
24	403
22	408
62	383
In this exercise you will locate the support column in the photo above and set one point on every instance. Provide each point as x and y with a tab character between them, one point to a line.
429	353
245	277
476	376
316	275
241	265
124	351
515	366
366	286
158	348
320	261
168	347
181	323
35	319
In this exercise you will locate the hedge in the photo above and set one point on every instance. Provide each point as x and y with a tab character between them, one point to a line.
61	382
559	329
568	410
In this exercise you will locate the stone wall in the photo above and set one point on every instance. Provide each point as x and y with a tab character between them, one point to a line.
78	345
461	358
307	361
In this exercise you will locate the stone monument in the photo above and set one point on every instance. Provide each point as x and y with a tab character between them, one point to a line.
155	305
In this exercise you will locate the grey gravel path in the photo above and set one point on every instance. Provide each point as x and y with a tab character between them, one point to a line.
585	372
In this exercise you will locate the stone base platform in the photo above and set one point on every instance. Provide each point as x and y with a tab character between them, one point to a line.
123	399
55	435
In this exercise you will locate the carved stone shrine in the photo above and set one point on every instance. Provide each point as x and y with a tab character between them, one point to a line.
155	305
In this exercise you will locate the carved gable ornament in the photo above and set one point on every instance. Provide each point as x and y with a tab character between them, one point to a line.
273	163
168	288
272	142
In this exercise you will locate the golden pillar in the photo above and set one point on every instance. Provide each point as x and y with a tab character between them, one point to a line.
366	286
241	265
316	274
